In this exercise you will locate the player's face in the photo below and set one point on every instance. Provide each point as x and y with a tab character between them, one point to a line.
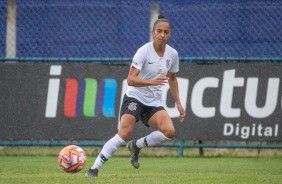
161	33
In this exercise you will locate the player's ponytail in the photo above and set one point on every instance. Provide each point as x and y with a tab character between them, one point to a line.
161	18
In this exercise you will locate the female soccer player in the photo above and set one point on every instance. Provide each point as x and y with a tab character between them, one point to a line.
153	65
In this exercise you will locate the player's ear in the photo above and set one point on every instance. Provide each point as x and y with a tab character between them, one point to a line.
153	32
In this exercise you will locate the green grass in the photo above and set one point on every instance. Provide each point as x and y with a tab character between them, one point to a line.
198	170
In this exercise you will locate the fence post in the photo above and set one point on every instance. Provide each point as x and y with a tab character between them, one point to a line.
201	150
181	148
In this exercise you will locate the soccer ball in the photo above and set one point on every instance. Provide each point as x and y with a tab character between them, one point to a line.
72	159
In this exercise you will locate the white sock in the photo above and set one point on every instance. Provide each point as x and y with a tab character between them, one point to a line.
107	152
155	138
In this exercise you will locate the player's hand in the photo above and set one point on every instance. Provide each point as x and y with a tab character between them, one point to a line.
161	80
182	113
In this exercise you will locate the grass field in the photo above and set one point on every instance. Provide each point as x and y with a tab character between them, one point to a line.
198	170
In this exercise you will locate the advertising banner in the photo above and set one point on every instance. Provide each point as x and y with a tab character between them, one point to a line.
81	101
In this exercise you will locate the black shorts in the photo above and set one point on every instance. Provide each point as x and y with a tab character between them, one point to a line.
138	110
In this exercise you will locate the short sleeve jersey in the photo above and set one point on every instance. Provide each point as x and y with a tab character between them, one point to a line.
151	65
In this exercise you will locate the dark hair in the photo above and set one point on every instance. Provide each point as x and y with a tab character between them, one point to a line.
161	18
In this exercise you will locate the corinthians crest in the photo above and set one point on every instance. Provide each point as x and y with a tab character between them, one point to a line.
132	106
167	63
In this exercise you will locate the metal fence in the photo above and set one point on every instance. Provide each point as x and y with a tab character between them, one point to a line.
107	28
112	30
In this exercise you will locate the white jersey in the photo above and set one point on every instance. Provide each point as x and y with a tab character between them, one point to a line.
151	65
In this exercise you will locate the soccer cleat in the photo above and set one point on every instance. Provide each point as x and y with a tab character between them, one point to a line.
92	172
134	151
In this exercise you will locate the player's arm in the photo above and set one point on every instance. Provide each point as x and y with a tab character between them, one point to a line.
173	84
133	79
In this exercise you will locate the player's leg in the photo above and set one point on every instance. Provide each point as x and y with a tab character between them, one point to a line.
159	120
165	130
126	126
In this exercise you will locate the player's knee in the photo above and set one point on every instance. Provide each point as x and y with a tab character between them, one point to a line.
169	133
124	133
126	126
